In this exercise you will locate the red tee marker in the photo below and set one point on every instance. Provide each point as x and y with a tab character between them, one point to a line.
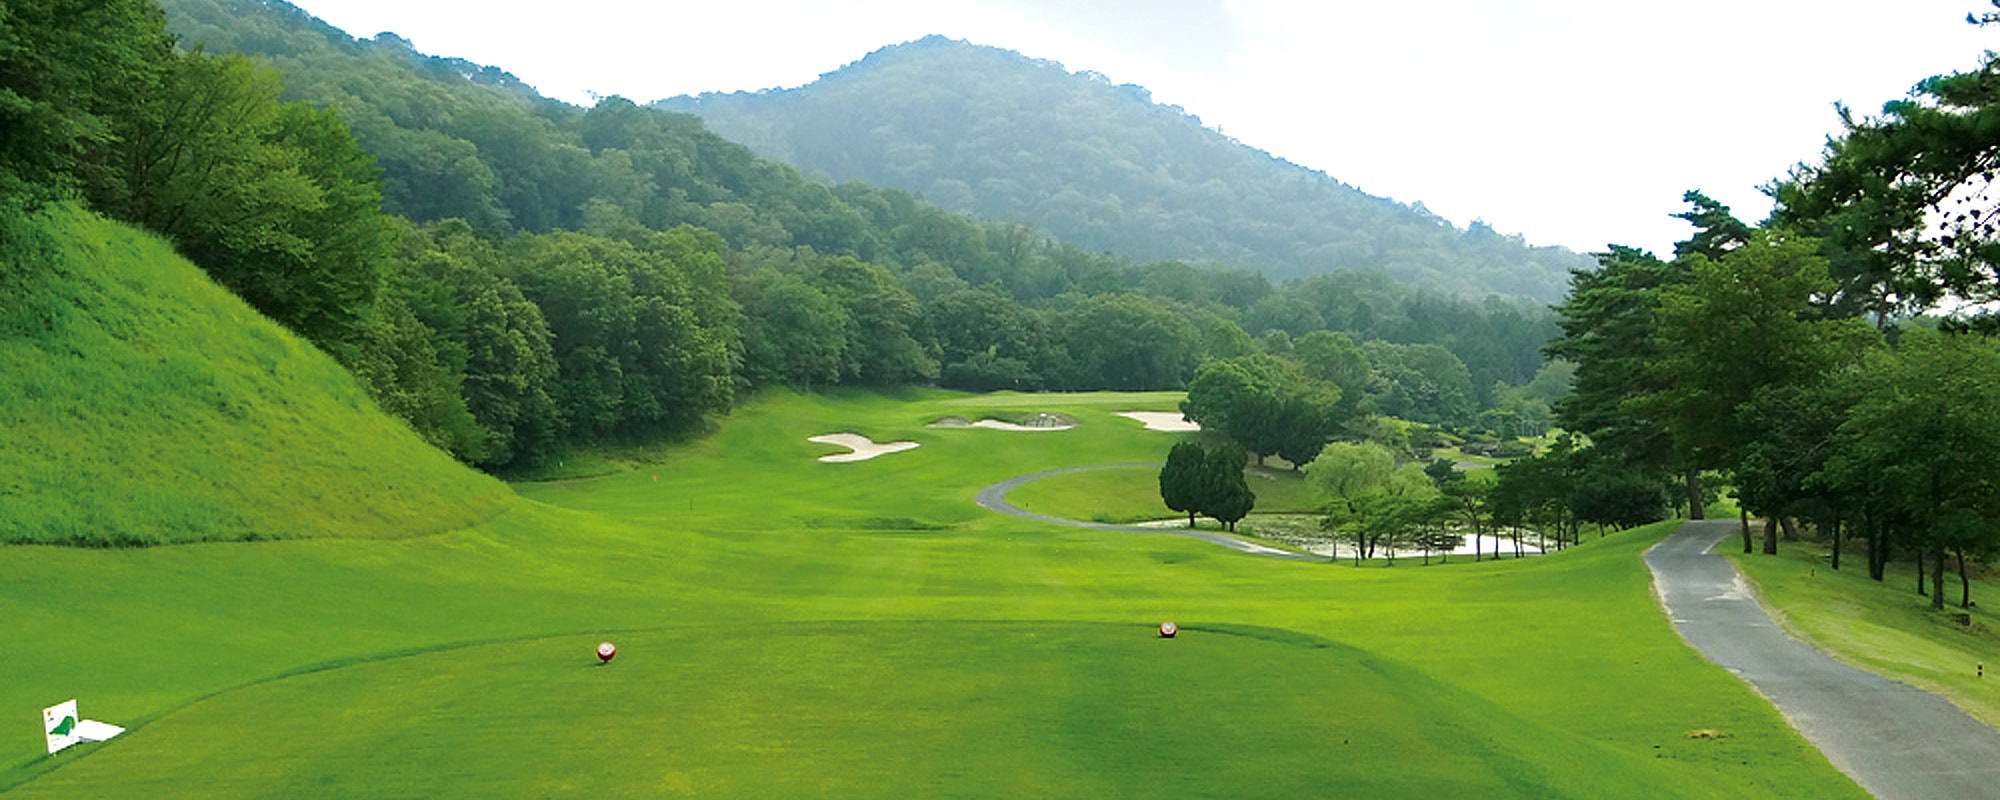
606	650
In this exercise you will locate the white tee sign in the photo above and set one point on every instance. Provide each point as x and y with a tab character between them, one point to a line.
59	723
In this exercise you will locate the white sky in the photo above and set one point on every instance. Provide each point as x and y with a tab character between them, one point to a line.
1571	122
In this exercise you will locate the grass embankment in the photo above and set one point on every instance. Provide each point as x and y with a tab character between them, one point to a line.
142	404
1885	627
790	627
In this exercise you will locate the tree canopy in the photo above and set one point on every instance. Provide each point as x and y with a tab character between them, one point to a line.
513	275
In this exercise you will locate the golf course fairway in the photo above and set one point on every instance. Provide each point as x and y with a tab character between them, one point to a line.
791	627
370	620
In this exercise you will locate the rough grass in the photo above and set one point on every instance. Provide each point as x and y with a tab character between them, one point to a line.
1885	627
142	404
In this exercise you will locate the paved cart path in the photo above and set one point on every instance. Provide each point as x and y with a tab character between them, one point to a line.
1893	739
994	498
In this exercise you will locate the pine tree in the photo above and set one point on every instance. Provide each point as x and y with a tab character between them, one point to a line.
1228	495
1182	479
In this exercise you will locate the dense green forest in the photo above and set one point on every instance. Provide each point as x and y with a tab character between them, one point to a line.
1833	365
513	275
1831	368
1000	135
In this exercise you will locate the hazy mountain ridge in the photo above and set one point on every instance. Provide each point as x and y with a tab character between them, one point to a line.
1001	135
887	289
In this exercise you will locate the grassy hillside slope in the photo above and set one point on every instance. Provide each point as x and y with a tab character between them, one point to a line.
140	403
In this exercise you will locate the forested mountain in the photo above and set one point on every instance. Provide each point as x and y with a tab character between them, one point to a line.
513	276
1000	135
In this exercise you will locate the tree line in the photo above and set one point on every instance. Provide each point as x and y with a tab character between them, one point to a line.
1832	368
1832	365
514	276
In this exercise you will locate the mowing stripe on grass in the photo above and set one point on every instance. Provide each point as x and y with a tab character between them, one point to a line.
866	709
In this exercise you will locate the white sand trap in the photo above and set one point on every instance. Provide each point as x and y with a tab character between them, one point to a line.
1169	421
1040	422
864	448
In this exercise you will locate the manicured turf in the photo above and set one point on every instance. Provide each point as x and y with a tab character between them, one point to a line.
875	709
400	667
789	627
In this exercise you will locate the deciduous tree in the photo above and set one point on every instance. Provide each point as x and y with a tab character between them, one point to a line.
1348	475
1924	436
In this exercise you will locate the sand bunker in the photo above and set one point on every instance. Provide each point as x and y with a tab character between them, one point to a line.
864	448
1040	422
1169	421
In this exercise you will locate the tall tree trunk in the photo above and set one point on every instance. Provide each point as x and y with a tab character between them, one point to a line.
1964	583
1937	578
1190	519
1920	572
1693	480
1791	528
1878	546
1836	541
1744	517
1771	524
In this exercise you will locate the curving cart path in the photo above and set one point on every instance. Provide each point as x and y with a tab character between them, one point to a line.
1895	740
994	498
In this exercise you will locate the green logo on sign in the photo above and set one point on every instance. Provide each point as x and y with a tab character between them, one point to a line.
63	728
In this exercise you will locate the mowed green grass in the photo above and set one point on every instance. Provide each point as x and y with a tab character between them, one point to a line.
788	627
875	709
793	627
1132	494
